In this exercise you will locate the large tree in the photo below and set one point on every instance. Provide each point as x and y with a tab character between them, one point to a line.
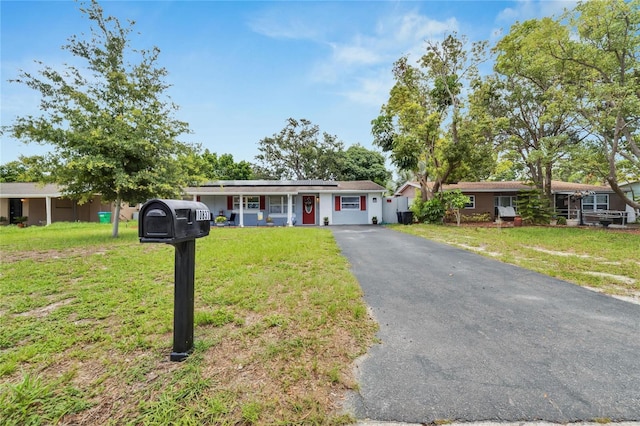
110	122
421	125
223	167
605	47
25	169
535	99
299	151
360	163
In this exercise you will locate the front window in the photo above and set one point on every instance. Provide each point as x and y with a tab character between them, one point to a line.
596	202
350	203
278	204
472	202
505	201
249	203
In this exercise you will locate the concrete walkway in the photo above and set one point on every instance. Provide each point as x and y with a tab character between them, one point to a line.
469	339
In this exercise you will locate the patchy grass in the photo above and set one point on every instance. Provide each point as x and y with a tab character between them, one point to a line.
87	328
607	260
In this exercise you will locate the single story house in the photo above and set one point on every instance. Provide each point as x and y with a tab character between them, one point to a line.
300	202
486	197
44	204
246	202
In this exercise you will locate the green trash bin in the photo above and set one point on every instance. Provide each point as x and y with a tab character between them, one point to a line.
105	217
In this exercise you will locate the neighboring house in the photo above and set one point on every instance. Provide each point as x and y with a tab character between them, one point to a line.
632	190
44	204
486	197
303	202
250	201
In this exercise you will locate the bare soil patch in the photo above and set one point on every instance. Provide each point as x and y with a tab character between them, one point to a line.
620	278
41	255
46	310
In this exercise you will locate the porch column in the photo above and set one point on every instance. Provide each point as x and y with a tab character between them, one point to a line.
241	223
289	210
48	207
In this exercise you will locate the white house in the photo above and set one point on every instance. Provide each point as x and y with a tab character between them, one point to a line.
301	202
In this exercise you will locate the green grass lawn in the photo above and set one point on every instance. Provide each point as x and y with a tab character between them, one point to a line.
87	319
608	260
87	328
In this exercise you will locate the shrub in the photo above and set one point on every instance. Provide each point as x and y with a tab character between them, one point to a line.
533	207
477	217
430	211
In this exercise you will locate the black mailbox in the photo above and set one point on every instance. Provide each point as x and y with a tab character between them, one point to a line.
179	223
173	221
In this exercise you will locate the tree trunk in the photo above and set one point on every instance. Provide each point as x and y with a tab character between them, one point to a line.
424	188
613	182
547	183
116	219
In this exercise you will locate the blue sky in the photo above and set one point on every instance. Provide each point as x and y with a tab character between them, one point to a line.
239	69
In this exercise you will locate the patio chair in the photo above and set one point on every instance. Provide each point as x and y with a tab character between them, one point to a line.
232	220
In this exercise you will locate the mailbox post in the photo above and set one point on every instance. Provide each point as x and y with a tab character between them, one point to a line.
179	223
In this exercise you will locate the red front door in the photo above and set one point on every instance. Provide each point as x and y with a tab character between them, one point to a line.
308	210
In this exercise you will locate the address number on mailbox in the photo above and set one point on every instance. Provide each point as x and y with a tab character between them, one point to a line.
203	215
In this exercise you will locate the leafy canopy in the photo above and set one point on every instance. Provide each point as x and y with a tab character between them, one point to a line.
424	125
300	151
110	122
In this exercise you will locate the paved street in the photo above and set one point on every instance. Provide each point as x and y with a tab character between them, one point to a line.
467	338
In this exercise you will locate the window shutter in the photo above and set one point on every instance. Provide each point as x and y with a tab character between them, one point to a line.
337	203
263	202
229	202
363	202
197	198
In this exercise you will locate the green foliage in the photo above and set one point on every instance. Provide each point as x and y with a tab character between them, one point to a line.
424	125
430	211
453	201
533	94
298	152
533	207
223	167
26	169
565	101
359	163
110	122
605	53
561	220
435	209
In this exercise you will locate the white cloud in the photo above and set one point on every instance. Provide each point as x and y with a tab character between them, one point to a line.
275	24
413	27
531	9
362	64
355	54
371	91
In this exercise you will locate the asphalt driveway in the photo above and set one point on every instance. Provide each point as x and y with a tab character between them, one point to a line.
467	338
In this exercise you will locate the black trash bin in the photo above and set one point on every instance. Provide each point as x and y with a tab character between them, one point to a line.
399	214
407	218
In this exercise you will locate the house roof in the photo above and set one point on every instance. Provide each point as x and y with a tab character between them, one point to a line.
265	187
28	190
514	186
227	187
